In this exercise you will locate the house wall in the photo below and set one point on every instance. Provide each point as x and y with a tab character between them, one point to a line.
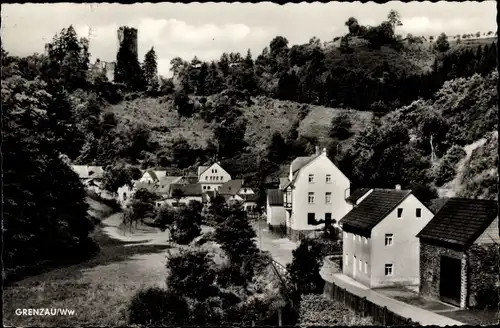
351	206
210	186
403	254
430	270
245	191
490	235
320	167
214	177
125	193
146	177
276	215
482	270
360	247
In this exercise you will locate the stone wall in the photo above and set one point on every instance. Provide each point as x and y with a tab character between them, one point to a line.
483	270
430	261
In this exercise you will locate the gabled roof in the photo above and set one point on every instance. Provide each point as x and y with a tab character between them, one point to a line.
373	209
145	185
231	187
188	180
283	182
152	174
88	171
300	162
250	197
295	175
357	194
460	222
187	189
168	180
275	197
202	169
160	174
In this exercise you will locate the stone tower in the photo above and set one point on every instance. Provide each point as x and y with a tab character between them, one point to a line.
128	35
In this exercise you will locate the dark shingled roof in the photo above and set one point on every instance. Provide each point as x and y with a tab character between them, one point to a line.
250	197
460	222
300	162
275	197
231	187
357	194
373	209
187	189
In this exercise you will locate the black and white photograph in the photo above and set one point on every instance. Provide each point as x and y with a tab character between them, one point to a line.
250	164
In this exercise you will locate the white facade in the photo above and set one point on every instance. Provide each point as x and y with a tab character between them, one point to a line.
393	243
213	177
319	189
275	215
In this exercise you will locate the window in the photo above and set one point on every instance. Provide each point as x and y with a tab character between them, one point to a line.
346	259
366	267
418	212
328	178
310	198
388	270
221	178
400	212
388	239
311	218
328	198
215	171
311	178
208	187
212	170
204	187
206	177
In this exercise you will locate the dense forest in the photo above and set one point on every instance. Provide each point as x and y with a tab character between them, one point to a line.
427	100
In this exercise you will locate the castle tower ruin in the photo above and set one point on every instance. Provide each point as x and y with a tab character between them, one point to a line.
129	36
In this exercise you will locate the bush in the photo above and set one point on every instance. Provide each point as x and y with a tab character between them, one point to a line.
158	307
488	298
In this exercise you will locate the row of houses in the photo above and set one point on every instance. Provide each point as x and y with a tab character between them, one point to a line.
390	238
211	181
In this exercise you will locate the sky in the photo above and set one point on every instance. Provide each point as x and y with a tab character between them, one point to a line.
209	29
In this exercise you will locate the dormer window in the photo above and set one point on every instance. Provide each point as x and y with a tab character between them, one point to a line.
311	178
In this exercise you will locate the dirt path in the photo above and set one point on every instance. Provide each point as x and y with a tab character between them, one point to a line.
450	189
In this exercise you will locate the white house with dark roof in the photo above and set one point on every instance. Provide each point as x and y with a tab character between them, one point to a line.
316	191
380	244
236	190
153	176
212	177
275	212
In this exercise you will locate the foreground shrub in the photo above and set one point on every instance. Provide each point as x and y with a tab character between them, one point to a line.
158	307
319	311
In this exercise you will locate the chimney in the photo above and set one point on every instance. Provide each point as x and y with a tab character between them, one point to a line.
398	187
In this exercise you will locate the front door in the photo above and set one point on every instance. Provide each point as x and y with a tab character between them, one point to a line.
354	270
450	280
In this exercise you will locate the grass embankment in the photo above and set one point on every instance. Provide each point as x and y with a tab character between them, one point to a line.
98	289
